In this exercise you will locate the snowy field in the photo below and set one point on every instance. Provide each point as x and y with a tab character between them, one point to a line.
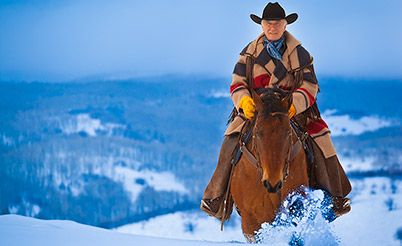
19	230
374	220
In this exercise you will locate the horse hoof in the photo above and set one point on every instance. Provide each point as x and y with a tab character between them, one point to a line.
249	238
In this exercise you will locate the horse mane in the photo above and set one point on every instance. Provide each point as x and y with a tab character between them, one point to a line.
272	100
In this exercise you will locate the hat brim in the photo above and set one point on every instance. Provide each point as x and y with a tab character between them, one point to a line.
255	18
289	19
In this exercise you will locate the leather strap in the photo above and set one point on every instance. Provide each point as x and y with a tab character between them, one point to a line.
295	150
249	155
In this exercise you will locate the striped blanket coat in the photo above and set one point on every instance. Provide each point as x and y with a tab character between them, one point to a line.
268	72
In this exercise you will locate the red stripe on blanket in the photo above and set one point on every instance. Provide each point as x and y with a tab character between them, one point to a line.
316	126
261	81
235	86
310	97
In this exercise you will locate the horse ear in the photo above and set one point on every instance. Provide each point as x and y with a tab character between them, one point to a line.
257	100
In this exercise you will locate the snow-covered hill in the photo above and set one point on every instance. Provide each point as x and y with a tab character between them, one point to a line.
109	153
18	231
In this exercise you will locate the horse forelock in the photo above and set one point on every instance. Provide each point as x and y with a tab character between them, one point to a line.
272	101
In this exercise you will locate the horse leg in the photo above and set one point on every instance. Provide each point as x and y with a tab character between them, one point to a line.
249	238
249	226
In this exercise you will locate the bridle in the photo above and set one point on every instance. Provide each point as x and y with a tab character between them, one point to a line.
287	161
293	150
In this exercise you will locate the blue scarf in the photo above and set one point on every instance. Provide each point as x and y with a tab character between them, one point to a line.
273	47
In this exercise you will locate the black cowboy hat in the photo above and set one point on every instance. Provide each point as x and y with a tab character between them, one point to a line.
274	11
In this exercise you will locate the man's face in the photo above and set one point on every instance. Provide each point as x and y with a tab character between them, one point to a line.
273	29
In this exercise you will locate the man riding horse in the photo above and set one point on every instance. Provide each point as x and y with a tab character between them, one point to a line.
279	60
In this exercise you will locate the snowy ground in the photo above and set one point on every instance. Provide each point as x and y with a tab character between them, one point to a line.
19	230
374	220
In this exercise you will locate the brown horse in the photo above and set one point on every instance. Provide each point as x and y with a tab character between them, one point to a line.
273	163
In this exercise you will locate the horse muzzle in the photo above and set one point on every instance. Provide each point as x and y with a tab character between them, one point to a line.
272	189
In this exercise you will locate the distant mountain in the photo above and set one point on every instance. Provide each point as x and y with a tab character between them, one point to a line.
107	153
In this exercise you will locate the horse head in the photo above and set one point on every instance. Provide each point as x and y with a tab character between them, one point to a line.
272	135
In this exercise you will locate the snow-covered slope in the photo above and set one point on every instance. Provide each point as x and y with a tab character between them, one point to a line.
109	153
375	219
17	230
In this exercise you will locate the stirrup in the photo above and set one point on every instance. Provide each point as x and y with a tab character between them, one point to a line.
208	210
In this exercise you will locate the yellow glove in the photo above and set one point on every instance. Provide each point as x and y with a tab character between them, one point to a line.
292	111
248	106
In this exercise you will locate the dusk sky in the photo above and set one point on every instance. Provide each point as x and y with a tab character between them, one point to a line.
69	40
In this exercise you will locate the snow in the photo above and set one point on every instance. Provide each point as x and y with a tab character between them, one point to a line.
30	209
18	230
369	224
187	225
359	163
342	125
134	181
375	217
85	123
372	221
311	226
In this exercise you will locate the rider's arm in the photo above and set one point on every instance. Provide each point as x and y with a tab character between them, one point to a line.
305	96
238	87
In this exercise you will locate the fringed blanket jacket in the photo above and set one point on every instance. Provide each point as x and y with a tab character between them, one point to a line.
294	70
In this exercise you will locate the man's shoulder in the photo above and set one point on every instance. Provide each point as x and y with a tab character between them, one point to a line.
295	46
245	49
292	43
250	48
